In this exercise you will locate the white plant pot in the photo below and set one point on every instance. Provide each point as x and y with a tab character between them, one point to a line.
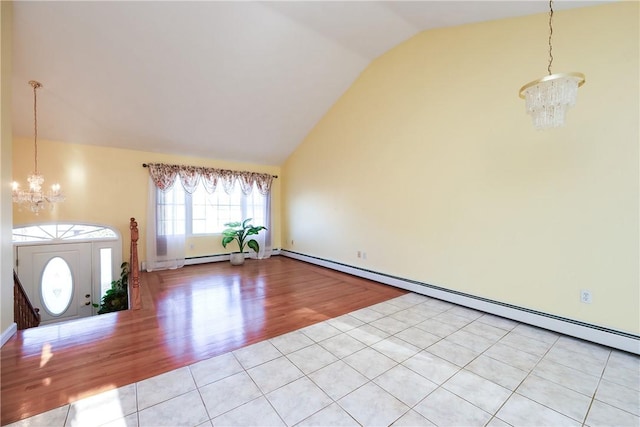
236	258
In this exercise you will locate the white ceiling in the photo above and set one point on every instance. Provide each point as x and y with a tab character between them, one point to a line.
241	81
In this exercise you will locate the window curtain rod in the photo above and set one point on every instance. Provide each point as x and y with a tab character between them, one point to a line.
145	165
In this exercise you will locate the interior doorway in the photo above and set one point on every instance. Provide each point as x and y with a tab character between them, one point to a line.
66	268
57	279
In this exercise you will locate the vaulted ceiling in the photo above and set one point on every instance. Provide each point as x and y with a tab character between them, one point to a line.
241	81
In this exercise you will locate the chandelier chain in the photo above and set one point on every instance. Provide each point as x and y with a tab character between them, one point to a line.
35	85
550	35
35	197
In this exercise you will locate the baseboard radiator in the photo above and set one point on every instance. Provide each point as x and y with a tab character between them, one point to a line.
219	258
210	258
600	335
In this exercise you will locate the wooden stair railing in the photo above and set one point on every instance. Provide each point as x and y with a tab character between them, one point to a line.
24	313
135	302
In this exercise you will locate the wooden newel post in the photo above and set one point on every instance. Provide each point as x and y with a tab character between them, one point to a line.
134	282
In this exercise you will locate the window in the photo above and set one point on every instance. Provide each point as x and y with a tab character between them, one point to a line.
46	232
170	218
205	213
106	270
186	208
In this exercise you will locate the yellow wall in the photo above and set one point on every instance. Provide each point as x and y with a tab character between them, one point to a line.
109	185
6	249
429	164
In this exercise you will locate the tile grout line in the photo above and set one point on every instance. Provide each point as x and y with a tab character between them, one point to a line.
530	372
439	386
595	392
369	381
514	391
258	387
195	383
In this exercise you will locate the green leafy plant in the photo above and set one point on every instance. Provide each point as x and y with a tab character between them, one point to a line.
117	297
240	232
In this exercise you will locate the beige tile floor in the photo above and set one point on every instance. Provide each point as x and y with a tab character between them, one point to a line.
410	361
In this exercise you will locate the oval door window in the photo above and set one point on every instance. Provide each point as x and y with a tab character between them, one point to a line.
56	286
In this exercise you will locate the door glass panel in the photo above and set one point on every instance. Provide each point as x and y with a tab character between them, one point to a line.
105	270
56	286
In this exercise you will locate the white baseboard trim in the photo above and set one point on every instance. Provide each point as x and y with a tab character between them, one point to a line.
605	336
218	258
206	259
8	333
209	258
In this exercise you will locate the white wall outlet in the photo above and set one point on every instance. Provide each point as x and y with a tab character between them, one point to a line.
585	296
364	255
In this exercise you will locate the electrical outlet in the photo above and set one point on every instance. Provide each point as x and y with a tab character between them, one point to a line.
359	254
291	242
585	296
364	255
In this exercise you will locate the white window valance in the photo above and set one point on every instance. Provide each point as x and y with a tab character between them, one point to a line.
164	176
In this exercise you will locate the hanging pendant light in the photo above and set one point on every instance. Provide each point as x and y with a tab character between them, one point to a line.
35	198
548	98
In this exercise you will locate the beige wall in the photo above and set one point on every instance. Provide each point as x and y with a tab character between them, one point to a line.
6	249
109	185
429	164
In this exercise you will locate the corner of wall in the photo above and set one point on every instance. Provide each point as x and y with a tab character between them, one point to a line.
8	333
6	212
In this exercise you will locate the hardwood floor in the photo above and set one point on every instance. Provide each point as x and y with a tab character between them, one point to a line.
188	315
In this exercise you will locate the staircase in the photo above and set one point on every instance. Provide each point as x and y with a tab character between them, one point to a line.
24	313
27	316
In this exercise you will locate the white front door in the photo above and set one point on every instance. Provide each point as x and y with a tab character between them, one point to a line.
57	279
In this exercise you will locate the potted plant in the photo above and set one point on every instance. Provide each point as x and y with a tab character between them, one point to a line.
240	232
116	298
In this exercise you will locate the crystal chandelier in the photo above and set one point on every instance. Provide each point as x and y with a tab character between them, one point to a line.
548	98
35	198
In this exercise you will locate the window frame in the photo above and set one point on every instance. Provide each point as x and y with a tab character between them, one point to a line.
245	206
